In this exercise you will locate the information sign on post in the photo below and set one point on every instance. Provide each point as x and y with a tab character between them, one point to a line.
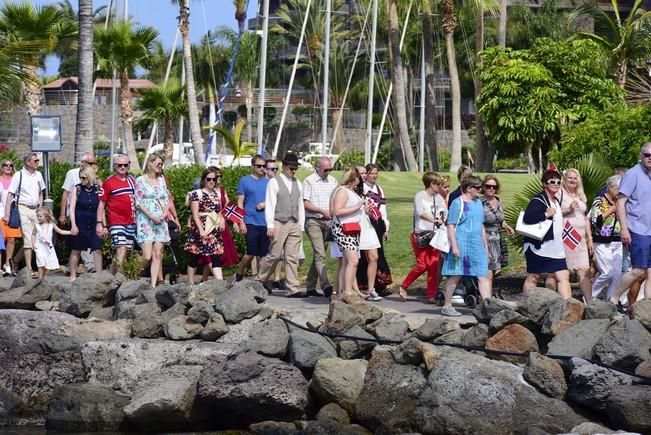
46	138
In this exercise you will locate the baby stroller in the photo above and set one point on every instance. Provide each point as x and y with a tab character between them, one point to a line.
172	269
468	289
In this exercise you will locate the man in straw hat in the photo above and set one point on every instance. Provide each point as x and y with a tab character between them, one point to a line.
285	217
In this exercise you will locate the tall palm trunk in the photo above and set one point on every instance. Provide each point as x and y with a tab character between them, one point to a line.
249	111
84	130
484	151
622	71
449	21
32	89
126	115
501	36
430	97
193	109
169	141
337	118
403	154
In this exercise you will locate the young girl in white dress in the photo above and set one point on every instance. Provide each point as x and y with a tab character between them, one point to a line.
46	256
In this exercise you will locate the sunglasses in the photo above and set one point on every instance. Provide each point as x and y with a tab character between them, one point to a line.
260	166
327	170
212	178
476	186
7	165
122	165
83	178
272	169
647	155
91	163
555	182
490	186
36	160
292	168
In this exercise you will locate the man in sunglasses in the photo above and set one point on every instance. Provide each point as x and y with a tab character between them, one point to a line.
117	208
285	218
317	189
250	197
72	179
27	186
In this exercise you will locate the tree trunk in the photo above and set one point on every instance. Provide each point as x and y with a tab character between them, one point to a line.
528	155
501	36
403	154
84	133
249	112
430	96
32	90
340	140
169	142
622	71
455	92
193	109
126	116
484	153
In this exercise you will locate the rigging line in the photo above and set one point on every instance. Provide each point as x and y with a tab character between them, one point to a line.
350	79
469	58
209	43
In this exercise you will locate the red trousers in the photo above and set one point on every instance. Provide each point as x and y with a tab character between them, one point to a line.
427	260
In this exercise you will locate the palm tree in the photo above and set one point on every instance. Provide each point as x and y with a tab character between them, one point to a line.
164	105
234	140
193	108
246	69
403	153
625	38
84	129
430	110
11	74
45	26
122	48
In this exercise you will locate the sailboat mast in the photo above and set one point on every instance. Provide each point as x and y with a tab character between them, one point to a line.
263	70
421	127
371	88
326	71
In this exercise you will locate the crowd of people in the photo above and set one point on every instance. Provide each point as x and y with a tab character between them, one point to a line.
348	215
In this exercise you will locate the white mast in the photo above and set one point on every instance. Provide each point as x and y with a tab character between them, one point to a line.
371	88
326	71
263	70
421	127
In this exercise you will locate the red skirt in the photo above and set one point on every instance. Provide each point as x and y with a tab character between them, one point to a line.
230	256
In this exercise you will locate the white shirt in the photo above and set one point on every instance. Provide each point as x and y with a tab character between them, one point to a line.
30	187
271	196
72	179
383	207
427	204
318	190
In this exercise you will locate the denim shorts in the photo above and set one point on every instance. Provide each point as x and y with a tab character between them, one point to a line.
640	251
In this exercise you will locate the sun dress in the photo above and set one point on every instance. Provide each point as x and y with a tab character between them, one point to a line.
493	219
472	260
86	219
212	244
383	278
46	256
155	199
577	258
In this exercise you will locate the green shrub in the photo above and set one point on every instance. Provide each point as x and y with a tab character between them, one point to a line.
132	266
348	159
510	163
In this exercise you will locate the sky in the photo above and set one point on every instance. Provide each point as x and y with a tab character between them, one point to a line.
161	14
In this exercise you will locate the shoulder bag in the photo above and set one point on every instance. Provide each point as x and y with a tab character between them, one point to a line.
14	214
535	231
441	241
424	238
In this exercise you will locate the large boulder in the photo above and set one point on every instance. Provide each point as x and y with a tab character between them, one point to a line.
642	312
215	328
408	352
513	338
435	328
333	412
250	388
342	316
562	314
536	303
626	344
26	296
121	363
207	292
146	322
579	339
306	348
201	312
590	385
90	291
368	311
237	303
629	408
390	327
269	338
182	328
339	381
164	399
251	286
467	393
86	408
488	308
390	394
598	309
350	349
169	295
546	375
509	317
476	336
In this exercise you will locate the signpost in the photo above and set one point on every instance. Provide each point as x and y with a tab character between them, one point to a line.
46	138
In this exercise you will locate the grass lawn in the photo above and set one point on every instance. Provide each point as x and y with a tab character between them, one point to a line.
400	188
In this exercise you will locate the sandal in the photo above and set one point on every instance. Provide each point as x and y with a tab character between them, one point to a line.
402	293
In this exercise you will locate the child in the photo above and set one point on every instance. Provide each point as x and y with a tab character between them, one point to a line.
46	257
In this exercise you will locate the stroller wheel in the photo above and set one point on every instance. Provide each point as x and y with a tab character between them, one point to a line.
470	301
173	278
439	297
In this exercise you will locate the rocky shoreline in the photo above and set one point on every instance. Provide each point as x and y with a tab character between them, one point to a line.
105	354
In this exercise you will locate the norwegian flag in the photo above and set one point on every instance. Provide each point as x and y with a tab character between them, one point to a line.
374	213
571	236
376	198
233	213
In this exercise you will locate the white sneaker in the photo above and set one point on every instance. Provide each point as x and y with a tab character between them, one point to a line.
373	296
450	311
6	270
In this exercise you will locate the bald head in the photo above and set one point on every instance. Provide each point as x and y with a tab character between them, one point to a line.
323	167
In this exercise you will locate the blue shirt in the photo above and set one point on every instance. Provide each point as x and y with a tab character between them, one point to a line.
636	186
254	193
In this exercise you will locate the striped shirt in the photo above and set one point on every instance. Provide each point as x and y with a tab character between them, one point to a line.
119	198
318	190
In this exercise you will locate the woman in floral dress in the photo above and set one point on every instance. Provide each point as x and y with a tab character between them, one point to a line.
206	224
152	207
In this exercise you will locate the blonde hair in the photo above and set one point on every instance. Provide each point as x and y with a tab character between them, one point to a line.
89	173
148	169
579	185
48	213
349	176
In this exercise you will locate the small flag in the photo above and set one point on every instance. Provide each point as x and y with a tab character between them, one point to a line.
374	213
233	213
571	236
377	198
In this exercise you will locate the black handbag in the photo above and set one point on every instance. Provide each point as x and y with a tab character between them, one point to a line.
14	214
423	238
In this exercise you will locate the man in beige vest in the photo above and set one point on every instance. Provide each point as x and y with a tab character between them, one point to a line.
285	217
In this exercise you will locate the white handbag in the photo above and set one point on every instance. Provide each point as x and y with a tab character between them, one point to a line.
533	231
440	240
